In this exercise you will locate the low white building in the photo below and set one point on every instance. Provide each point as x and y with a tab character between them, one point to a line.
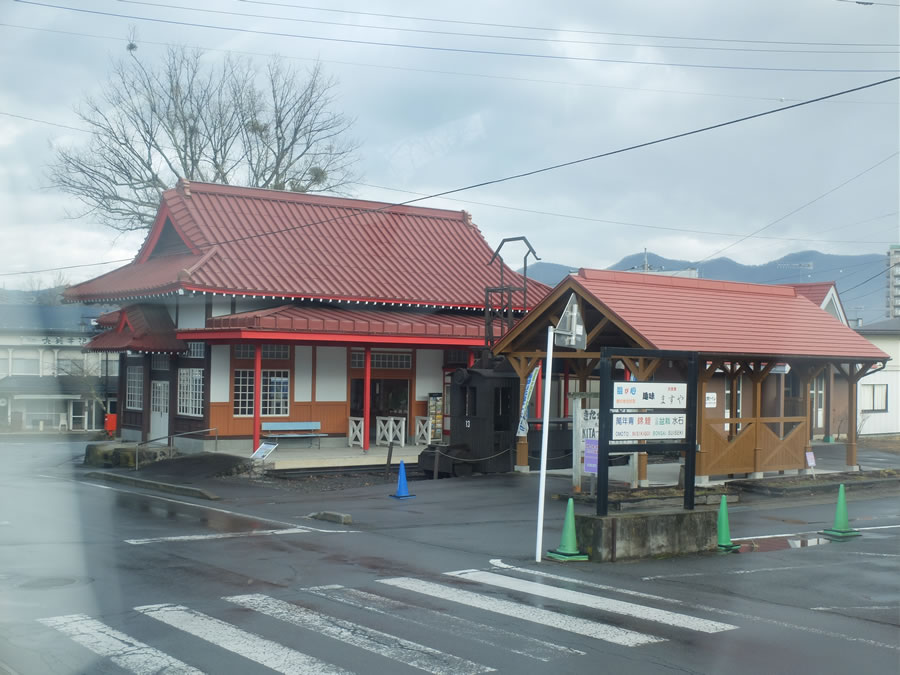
879	408
46	381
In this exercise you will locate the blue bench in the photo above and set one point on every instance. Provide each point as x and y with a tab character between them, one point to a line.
308	430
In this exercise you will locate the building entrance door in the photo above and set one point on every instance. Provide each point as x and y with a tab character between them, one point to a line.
159	411
77	415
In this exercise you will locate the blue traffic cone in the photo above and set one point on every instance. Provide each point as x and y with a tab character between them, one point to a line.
402	490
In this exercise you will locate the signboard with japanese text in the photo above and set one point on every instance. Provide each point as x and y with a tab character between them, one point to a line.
590	455
648	426
55	340
264	450
711	399
652	395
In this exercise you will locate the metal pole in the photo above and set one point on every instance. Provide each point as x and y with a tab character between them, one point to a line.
387	466
437	457
545	432
603	434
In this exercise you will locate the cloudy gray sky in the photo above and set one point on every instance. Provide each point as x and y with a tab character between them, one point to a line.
580	79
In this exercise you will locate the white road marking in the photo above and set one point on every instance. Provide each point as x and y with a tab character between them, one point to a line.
542	617
877	555
271	654
595	601
760	619
829	609
497	562
349	633
469	630
220	535
800	534
198	506
753	571
124	651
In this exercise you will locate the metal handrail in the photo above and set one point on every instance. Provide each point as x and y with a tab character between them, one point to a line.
137	449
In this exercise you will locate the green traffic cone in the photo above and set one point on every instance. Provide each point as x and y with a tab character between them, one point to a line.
722	529
568	545
841	530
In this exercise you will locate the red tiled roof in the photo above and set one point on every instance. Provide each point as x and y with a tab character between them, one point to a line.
140	328
814	292
272	243
722	317
353	322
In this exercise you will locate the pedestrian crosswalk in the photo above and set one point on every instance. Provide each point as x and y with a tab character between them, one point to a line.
489	618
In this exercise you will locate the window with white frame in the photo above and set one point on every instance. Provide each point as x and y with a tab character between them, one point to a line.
382	360
190	392
873	398
161	361
196	350
134	388
274	395
269	352
111	365
244	351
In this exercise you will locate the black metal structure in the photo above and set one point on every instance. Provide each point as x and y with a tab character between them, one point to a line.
688	446
503	309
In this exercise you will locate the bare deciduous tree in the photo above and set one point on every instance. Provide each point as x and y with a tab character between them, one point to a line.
221	124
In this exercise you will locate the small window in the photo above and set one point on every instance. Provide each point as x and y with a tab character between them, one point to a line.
134	388
70	365
280	352
382	360
161	361
244	351
196	350
26	362
190	392
873	398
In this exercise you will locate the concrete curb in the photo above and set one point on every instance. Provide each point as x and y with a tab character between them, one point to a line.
825	487
332	517
182	490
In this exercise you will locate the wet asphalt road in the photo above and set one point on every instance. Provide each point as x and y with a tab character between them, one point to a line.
98	578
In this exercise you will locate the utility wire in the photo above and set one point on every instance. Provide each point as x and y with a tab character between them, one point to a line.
626	223
548	168
558	29
451	72
872	278
565	215
495	36
453	50
800	208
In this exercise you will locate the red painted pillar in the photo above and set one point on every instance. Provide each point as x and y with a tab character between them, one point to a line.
257	394
471	361
367	398
565	396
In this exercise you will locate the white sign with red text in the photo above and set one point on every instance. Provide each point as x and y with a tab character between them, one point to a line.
648	426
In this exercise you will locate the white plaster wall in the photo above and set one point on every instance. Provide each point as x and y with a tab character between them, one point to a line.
219	374
883	422
429	372
303	373
221	306
331	373
191	313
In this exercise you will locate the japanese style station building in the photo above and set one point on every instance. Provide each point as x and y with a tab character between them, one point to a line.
347	312
775	338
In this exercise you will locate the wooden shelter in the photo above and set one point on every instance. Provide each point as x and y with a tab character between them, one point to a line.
736	330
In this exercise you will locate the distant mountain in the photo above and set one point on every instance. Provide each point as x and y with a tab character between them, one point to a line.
863	291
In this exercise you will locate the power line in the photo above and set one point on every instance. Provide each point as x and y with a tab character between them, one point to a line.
863	283
549	168
495	36
453	50
800	208
453	73
558	29
862	2
561	215
683	230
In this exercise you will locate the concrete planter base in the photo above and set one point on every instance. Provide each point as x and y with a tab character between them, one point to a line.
633	536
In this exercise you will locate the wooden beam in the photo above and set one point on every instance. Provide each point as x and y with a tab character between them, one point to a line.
596	330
